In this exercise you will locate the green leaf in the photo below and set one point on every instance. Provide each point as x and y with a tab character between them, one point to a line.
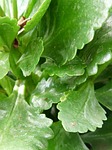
72	68
99	51
71	25
46	93
31	56
101	139
7	84
21	126
4	64
8	32
104	95
80	111
68	141
13	58
37	9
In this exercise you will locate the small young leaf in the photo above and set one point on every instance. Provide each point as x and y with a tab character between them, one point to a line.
31	56
80	111
69	141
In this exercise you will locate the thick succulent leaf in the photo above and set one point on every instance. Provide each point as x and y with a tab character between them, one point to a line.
39	8
72	68
31	56
71	25
46	93
99	51
101	139
21	126
8	32
104	95
69	141
4	64
80	110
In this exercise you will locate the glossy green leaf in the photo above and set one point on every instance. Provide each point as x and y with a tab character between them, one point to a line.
101	139
8	32
72	68
39	8
46	93
80	110
31	56
71	25
21	126
104	95
4	64
68	141
99	51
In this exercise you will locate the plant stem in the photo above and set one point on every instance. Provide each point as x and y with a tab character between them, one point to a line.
15	10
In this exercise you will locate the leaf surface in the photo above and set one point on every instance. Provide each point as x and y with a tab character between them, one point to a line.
80	110
99	51
71	25
72	68
46	93
31	56
21	126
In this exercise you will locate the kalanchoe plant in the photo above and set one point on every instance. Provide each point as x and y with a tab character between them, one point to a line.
55	75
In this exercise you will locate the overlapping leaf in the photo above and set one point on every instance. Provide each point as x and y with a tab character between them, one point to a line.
21	126
72	68
46	93
70	25
101	139
80	111
99	51
69	141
